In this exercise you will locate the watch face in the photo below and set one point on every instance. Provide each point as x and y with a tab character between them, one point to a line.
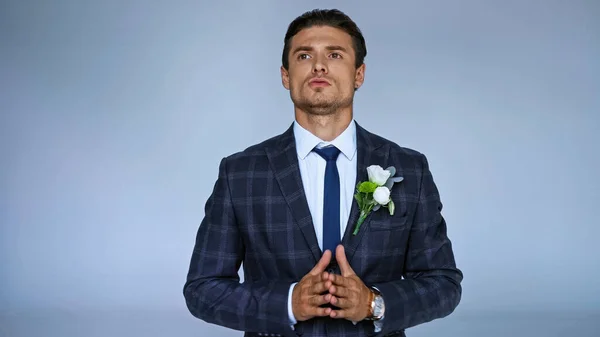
379	307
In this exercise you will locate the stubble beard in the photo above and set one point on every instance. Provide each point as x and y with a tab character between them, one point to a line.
321	105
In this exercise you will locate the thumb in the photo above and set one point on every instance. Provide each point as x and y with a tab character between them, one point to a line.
322	264
340	256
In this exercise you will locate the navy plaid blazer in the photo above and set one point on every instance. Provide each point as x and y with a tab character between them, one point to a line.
258	215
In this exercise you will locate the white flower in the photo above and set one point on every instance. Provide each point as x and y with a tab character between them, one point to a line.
374	194
378	175
382	195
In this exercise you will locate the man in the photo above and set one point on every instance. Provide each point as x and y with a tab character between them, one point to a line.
286	209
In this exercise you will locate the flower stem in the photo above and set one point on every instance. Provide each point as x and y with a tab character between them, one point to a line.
361	219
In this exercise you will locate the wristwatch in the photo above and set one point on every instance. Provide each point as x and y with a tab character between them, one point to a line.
377	308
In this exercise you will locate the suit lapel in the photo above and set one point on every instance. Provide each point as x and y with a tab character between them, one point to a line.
284	162
370	151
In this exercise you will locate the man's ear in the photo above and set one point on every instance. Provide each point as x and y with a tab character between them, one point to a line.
285	78
359	77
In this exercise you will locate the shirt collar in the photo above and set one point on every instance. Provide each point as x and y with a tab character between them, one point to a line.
306	141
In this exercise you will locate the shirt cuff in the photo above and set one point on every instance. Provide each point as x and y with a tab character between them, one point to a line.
289	306
378	325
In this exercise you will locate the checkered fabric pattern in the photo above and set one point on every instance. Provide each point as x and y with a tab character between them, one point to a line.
258	215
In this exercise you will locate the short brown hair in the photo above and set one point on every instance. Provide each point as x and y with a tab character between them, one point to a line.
326	17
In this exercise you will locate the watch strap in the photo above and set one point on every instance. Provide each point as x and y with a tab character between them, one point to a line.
373	295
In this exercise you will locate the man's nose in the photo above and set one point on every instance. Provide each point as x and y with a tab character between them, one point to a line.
319	66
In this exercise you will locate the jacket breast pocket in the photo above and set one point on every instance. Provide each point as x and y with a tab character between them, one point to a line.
389	223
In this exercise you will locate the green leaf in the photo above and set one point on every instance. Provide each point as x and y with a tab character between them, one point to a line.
359	199
367	199
367	187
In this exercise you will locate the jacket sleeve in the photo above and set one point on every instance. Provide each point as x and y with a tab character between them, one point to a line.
431	285
212	291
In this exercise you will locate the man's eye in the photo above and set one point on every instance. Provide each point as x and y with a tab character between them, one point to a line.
303	56
336	55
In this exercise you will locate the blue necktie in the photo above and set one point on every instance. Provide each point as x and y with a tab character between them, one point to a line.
331	199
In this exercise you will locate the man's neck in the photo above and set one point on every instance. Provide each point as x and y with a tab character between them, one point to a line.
326	127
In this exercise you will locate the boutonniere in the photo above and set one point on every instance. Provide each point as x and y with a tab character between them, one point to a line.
371	195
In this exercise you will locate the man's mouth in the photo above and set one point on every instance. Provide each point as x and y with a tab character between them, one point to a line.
318	82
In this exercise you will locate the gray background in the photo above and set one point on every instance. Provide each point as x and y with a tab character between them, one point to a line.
116	113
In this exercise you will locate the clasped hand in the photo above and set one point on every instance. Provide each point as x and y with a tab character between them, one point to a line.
318	287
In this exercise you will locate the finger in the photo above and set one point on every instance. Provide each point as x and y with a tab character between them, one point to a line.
319	300
340	256
322	264
344	313
320	312
340	291
339	280
320	287
342	303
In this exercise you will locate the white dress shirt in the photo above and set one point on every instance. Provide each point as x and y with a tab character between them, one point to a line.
312	170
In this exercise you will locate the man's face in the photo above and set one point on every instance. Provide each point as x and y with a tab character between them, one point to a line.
322	74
